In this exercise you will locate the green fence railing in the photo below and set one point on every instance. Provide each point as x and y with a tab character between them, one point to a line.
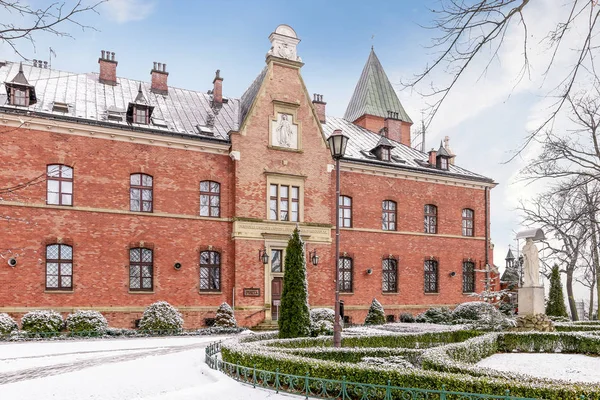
333	389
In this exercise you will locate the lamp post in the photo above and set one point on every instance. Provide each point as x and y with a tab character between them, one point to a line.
337	145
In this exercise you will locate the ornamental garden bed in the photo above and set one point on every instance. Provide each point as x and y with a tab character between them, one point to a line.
424	361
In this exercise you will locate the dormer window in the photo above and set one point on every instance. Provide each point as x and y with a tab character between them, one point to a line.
20	97
140	115
385	154
442	158
19	91
442	163
383	150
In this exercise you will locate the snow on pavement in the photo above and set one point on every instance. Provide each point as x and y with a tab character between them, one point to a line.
569	367
176	371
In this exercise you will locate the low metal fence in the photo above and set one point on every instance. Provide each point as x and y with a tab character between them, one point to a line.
331	388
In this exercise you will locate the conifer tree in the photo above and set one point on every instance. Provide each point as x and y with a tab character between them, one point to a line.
376	314
225	317
556	300
294	315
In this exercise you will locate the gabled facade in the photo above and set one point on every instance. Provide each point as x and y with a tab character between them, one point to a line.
136	192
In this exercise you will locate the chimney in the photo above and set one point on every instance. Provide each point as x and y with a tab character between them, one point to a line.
108	68
159	79
218	88
449	150
433	157
319	107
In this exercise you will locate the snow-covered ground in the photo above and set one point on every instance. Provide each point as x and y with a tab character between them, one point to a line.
569	367
149	369
400	327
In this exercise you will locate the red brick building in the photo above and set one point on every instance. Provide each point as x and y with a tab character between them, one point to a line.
117	193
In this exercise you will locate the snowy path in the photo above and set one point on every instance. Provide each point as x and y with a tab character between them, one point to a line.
149	369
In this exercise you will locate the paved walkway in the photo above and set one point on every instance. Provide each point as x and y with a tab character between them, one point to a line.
56	369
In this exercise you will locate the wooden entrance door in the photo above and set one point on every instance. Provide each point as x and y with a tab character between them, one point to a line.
276	289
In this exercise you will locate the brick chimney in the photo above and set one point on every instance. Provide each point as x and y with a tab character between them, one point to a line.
218	88
433	157
108	68
159	78
319	107
397	130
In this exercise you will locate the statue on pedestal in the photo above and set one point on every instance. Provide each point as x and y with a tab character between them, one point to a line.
531	264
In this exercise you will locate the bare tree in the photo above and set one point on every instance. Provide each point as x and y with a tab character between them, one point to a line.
476	29
560	213
52	19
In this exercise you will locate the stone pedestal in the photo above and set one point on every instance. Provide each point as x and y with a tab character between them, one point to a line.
531	300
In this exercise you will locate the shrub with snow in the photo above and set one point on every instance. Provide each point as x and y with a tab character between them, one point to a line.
435	315
321	321
42	322
7	324
376	315
406	317
86	322
161	317
225	317
482	315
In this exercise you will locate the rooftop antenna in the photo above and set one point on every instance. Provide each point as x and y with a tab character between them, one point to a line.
423	133
50	57
372	41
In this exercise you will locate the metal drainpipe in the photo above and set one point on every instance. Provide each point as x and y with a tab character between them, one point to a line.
487	238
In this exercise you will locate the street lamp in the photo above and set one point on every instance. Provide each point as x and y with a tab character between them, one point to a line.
314	257
263	256
337	145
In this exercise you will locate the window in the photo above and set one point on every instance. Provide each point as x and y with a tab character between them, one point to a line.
210	271
345	212
282	199
345	274
59	267
385	154
210	199
140	115
443	163
59	185
467	222
430	218
140	193
431	276
468	277
389	215
140	269
276	260
390	275
20	97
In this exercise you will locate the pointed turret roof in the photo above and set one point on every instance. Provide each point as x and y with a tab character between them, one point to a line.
19	78
442	151
140	99
509	255
374	94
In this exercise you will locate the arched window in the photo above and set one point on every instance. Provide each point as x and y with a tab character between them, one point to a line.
431	276
141	271
390	275
468	277
59	180
140	193
346	212
210	199
468	216
345	277
430	218
388	218
59	267
210	271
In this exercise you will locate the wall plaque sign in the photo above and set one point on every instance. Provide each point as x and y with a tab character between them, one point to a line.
251	292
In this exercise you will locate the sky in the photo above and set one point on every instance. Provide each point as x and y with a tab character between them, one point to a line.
486	117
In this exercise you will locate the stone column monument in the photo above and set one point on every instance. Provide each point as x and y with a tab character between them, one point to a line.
531	294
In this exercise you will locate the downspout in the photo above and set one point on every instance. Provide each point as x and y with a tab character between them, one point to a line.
487	239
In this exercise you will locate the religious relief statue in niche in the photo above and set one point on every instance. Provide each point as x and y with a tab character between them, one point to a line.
531	264
285	132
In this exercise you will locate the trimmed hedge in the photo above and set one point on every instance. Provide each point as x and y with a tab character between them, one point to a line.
86	323
42	322
449	365
7	324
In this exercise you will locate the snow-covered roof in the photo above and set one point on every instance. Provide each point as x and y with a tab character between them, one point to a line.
362	141
181	111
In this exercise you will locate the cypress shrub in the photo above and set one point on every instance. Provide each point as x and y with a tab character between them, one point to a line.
294	315
376	315
556	300
225	317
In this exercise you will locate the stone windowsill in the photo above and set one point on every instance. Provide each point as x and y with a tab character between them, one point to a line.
141	291
346	293
390	293
432	294
213	293
285	149
59	291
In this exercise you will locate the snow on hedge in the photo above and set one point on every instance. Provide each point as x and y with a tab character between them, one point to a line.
161	316
321	321
376	314
42	322
7	324
86	322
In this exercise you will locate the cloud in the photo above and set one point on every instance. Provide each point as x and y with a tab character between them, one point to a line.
129	10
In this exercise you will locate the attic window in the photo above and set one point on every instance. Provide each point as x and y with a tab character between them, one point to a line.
114	116
140	115
384	154
398	159
20	97
442	162
159	122
205	130
60	107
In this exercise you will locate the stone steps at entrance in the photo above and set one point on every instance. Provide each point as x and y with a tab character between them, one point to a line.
266	326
